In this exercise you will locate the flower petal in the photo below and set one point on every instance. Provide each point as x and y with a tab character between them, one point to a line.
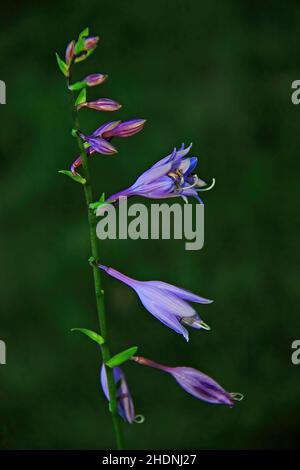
183	293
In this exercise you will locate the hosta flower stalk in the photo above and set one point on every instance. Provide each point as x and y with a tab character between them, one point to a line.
172	176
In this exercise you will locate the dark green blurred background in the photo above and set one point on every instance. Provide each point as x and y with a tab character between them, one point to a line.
215	73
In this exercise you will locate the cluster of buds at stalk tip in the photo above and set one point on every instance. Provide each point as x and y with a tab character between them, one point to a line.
98	141
171	176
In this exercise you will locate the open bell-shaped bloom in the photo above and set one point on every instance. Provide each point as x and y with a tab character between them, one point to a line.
170	177
196	383
99	140
125	403
168	303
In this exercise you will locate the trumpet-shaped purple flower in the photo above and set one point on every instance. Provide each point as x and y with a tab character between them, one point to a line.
99	140
196	383
168	303
125	403
102	104
170	177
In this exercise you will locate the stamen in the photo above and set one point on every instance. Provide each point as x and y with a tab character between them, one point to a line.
192	185
208	187
139	419
237	396
204	326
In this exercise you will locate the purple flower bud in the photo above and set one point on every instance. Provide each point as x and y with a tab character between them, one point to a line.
102	104
95	79
100	145
70	52
126	128
196	383
104	129
125	403
168	303
90	42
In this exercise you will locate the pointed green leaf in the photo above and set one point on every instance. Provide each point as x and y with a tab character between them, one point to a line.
84	33
62	65
90	334
81	98
121	357
78	178
77	86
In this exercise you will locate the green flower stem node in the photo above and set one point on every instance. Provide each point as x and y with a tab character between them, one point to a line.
121	357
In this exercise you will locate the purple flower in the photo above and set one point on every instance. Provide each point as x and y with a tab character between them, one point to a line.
70	52
95	79
126	128
102	104
196	383
90	42
170	177
168	303
104	134
97	144
125	403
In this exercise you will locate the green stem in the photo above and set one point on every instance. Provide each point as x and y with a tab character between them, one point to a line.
99	293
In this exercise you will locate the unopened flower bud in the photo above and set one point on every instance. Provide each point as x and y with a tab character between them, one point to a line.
126	128
70	52
95	79
90	42
102	104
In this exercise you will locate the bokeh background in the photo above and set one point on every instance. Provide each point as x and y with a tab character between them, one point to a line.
215	73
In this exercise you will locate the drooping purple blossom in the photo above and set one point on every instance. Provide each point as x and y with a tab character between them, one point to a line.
102	104
125	403
95	79
170	177
168	303
196	383
106	132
